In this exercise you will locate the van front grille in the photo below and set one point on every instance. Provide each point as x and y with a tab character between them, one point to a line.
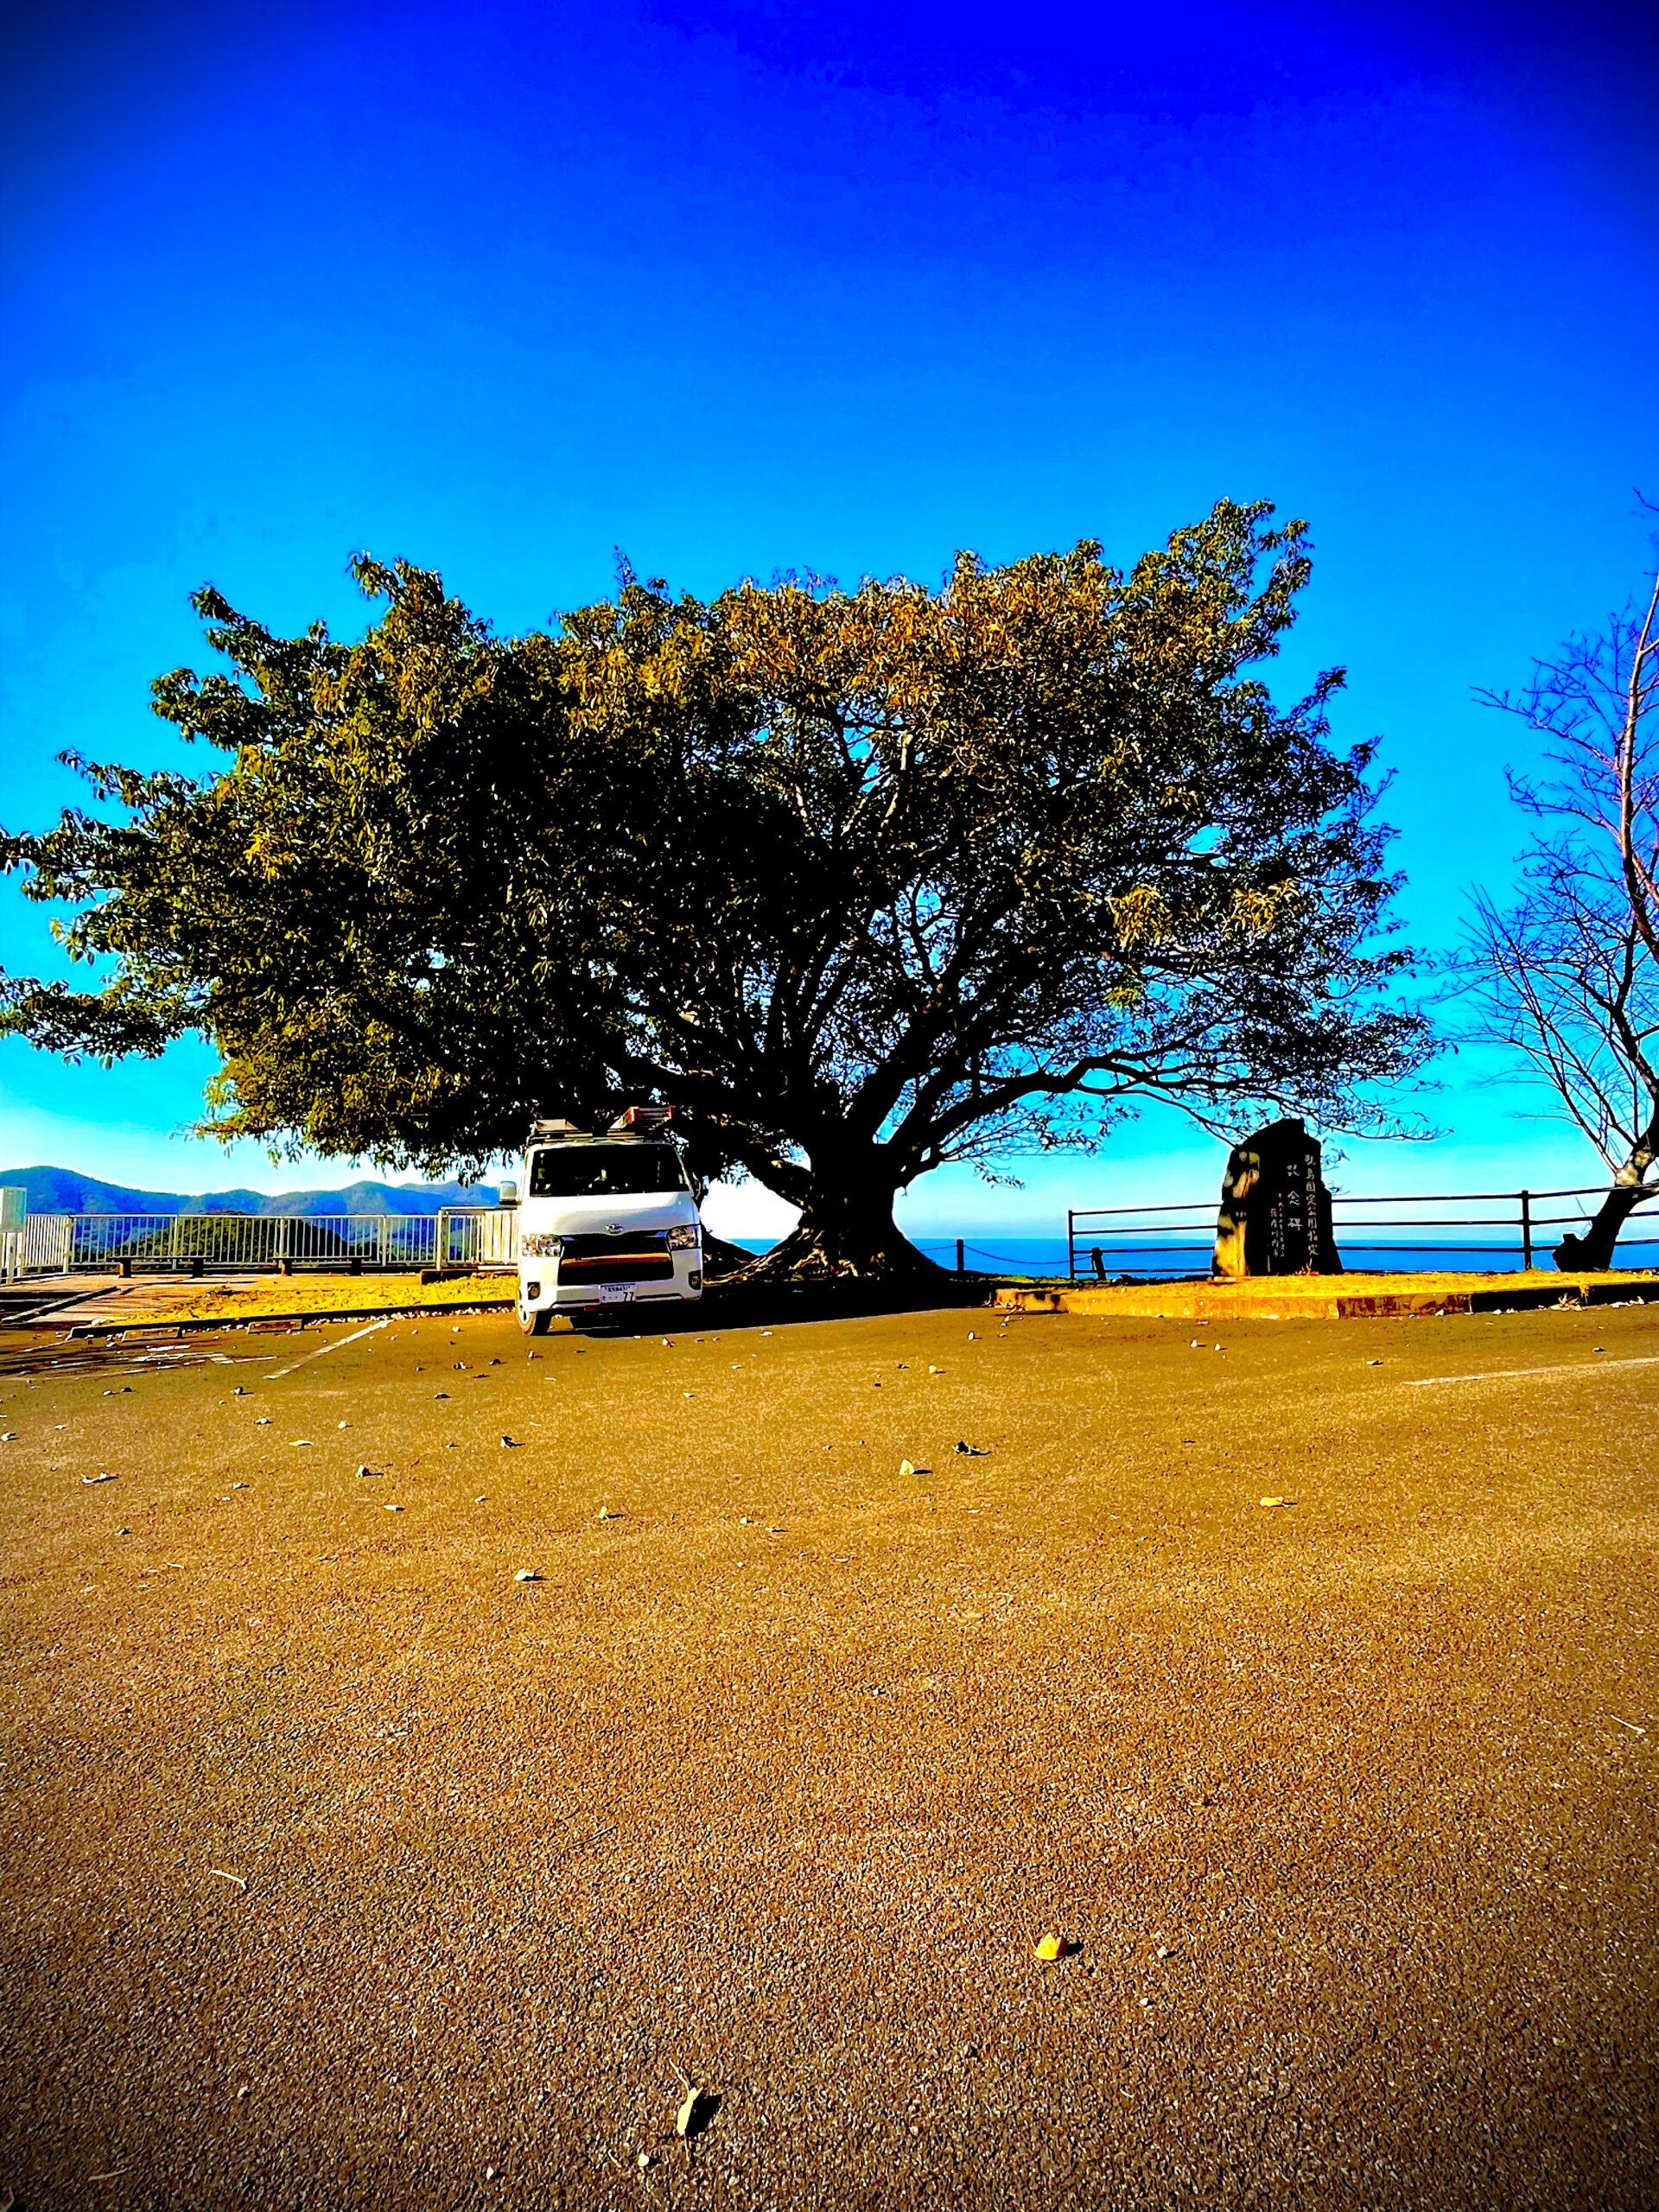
637	1255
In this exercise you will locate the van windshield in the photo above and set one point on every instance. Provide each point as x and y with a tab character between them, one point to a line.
604	1170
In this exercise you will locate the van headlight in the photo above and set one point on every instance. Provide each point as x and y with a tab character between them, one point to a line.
538	1247
684	1238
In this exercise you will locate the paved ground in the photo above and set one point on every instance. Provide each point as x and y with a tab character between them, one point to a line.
772	1777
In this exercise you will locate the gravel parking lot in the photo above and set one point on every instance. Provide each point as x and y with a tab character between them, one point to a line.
348	1865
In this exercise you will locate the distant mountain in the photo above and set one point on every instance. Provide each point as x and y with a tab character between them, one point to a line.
61	1190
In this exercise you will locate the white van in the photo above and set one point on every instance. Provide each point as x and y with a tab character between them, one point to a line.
605	1221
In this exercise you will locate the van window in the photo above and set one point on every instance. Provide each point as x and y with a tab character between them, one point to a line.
604	1170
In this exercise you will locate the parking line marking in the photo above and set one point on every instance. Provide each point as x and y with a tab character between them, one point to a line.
1510	1374
277	1373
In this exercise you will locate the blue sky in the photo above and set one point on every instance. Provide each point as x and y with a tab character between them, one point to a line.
743	286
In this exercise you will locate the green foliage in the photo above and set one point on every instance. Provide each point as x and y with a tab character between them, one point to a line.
861	881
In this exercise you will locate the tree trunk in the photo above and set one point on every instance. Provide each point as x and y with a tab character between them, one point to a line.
846	1228
1592	1253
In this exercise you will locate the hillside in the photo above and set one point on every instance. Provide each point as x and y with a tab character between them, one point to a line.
61	1190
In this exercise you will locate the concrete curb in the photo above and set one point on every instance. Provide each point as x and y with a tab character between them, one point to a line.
1320	1299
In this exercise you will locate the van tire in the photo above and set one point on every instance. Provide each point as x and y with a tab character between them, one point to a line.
535	1320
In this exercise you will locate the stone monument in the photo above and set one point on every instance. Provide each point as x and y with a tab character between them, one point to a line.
1275	1210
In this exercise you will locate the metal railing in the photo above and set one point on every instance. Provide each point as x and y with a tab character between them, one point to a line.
1180	1240
191	1242
41	1246
477	1236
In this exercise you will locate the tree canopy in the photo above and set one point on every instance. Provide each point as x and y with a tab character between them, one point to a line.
861	881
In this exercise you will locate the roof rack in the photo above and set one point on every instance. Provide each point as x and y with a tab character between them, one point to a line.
638	1119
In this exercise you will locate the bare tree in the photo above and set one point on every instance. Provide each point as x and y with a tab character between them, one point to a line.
1568	976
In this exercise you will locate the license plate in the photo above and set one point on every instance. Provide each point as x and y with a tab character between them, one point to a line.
615	1293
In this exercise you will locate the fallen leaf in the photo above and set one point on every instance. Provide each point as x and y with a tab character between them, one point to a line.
1273	1501
97	1479
527	1575
1050	1947
906	1467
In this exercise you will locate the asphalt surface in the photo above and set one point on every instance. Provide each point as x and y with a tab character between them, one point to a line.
344	1869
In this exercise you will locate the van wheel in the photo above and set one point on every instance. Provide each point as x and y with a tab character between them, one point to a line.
535	1320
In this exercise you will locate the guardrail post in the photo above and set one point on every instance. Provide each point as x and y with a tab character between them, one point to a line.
961	1257
1070	1242
1526	1231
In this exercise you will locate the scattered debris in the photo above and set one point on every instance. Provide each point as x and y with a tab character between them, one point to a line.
10	1437
371	1470
97	1479
510	1443
440	1394
1050	1947
974	1450
239	1880
1273	1501
263	1422
1630	1724
611	1513
906	1467
527	1575
240	1391
696	2111
388	1507
298	1443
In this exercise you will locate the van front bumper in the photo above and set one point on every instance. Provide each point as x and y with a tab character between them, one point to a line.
540	1289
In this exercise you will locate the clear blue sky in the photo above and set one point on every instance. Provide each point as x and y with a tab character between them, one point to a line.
738	286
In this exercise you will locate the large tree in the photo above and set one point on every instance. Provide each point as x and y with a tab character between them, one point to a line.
1566	973
861	882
